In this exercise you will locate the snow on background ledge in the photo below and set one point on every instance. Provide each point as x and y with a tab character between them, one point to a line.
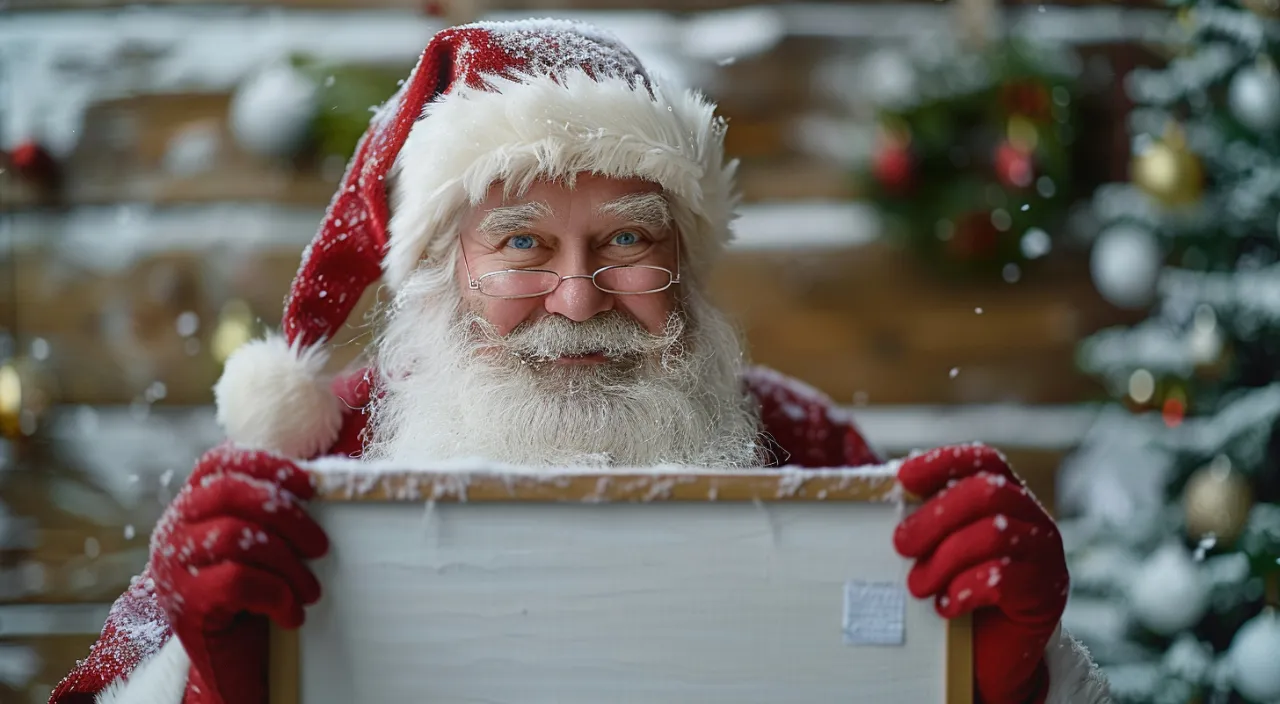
53	65
56	64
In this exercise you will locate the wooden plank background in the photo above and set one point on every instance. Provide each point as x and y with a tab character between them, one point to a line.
54	655
105	168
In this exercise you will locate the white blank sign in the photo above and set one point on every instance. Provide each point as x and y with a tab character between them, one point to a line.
572	602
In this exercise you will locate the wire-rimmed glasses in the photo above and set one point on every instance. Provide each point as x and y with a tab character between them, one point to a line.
618	279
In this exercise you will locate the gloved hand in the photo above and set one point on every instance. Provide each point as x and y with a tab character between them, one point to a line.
982	543
226	555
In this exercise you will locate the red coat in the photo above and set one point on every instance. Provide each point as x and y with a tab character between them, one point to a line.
802	427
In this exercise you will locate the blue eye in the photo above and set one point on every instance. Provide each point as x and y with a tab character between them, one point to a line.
626	239
522	242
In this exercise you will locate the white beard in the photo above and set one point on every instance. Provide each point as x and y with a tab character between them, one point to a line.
450	387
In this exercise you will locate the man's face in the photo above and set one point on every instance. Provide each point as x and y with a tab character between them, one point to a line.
574	376
599	222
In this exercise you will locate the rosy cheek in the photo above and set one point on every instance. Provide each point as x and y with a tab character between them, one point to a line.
505	315
651	310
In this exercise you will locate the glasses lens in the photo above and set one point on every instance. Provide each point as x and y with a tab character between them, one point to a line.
518	283
633	279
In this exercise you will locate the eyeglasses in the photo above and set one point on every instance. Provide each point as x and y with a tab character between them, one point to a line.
621	280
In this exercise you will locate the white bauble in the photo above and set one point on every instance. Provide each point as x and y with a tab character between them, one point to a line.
888	78
1125	263
1204	340
1255	658
1254	98
271	112
1170	592
1188	659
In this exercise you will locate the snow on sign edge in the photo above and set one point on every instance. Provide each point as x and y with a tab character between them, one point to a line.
478	479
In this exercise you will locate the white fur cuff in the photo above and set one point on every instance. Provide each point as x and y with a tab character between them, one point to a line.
1073	676
160	679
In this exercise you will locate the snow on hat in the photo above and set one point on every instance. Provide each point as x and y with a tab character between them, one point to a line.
487	102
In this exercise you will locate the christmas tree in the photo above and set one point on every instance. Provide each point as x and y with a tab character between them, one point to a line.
1174	497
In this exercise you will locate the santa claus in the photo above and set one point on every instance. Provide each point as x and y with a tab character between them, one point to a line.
544	215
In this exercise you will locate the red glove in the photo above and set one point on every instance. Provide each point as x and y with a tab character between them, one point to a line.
983	543
226	555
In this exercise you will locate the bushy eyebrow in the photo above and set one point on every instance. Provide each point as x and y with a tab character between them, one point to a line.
512	219
650	209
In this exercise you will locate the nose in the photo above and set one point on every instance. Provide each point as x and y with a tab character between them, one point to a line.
578	299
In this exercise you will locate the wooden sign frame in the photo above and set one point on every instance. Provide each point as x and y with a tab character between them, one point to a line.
758	486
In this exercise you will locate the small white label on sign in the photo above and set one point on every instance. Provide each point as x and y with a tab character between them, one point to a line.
874	613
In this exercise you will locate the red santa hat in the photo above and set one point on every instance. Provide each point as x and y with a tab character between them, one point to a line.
488	102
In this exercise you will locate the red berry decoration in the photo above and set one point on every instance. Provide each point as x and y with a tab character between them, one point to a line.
893	166
35	165
1015	168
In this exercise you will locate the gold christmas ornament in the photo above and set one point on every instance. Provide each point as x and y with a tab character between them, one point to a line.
24	396
1022	133
1167	171
235	327
1217	501
10	401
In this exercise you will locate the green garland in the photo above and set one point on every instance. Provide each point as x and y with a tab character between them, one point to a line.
979	158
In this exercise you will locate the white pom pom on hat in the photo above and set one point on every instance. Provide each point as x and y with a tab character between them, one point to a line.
274	396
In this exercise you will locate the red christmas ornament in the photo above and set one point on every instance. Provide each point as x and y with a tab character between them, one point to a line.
30	156
1014	167
1173	412
39	174
893	166
35	165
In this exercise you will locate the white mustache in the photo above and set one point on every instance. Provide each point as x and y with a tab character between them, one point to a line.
612	333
